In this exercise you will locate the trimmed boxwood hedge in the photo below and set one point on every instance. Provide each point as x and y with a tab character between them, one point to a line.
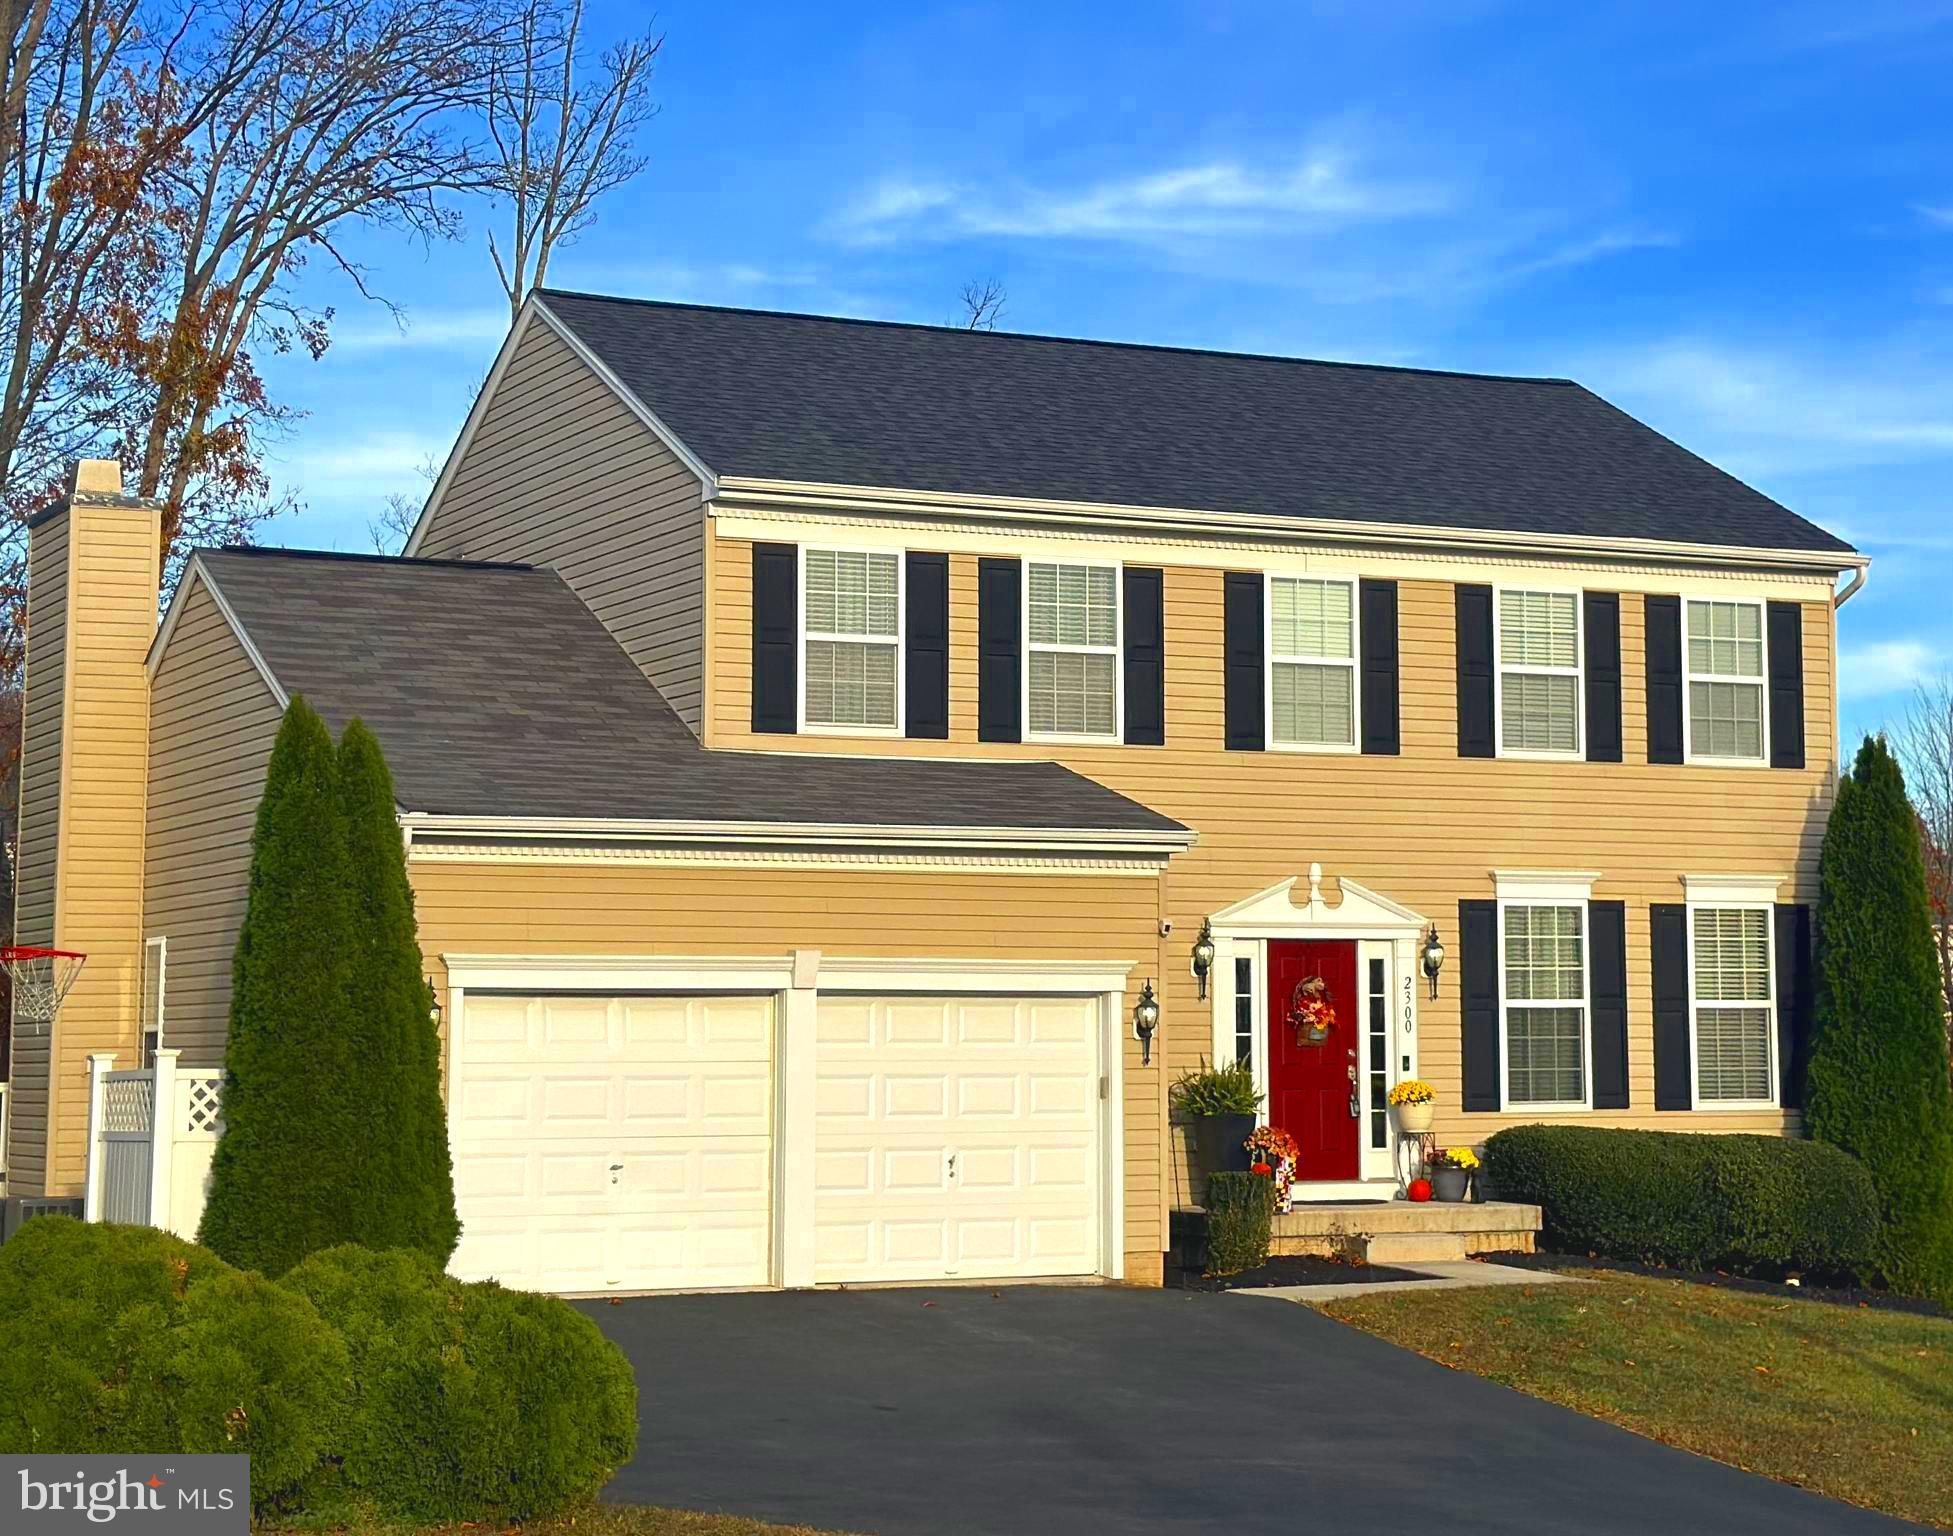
1240	1221
1752	1204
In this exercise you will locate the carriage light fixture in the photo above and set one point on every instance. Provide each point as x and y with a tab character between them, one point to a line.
1203	955
1433	957
1146	1019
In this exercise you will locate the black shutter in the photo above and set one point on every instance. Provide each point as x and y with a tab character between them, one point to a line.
1478	1002
1475	733
1000	677
925	678
1796	1002
1786	634
1664	622
1242	644
776	638
1607	956
1601	616
1668	932
1378	601
1145	661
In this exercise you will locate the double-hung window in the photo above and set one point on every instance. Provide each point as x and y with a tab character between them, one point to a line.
1545	1003
1725	681
1071	627
852	639
1311	663
1539	673
1733	1004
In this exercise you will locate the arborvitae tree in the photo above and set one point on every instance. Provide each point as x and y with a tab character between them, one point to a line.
411	1188
1878	1076
287	1179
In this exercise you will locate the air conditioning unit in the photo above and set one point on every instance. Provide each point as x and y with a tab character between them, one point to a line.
19	1208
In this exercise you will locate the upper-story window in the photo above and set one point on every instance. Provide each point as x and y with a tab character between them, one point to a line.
852	639
1724	657
1539	673
1311	663
1545	996
1734	1009
1071	626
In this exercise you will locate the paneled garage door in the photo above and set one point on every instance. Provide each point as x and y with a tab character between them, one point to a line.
956	1137
613	1143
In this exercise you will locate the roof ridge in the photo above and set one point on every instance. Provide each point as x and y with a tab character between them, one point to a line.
355	557
1064	341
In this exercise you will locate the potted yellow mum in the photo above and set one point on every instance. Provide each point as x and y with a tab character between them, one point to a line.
1452	1175
1414	1102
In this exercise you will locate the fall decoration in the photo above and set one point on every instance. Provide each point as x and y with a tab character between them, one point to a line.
1310	1013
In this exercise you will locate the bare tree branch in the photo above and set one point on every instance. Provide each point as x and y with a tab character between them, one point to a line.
983	304
1923	742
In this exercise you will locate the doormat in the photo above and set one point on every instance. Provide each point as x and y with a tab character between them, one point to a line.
1298	1270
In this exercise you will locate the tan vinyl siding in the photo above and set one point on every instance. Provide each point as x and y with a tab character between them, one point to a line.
1424	829
559	472
544	909
212	722
40	830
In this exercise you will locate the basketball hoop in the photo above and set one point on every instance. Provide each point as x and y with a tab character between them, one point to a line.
41	979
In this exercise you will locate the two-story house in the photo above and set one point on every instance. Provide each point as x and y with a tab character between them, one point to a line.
813	737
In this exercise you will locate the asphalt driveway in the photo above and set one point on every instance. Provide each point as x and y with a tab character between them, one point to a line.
1026	1411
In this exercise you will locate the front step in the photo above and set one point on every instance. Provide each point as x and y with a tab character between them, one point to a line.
1413	1247
1403	1231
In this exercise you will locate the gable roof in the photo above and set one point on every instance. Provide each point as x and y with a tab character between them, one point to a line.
766	395
497	694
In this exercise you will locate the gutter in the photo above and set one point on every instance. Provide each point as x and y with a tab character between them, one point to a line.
1850	589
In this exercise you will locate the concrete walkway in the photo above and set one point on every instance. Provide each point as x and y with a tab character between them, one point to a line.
1444	1275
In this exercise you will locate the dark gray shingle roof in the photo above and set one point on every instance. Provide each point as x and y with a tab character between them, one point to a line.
853	402
496	692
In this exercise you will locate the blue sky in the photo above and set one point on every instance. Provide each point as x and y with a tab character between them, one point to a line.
1740	229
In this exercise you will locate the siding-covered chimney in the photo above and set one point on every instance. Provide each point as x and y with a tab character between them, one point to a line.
92	578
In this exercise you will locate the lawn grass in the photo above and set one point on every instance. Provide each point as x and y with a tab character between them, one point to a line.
602	1520
1849	1402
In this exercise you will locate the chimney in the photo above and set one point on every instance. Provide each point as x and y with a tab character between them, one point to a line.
92	579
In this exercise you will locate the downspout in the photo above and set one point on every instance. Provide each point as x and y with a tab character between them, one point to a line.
1850	589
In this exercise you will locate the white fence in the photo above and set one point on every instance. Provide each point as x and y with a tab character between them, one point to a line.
151	1135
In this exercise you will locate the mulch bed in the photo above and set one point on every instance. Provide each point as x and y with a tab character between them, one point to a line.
1837	1296
1296	1271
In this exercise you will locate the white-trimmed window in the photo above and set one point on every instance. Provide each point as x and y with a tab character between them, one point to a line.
1733	1004
1071	631
155	970
851	639
1545	1003
1539	673
1723	654
1311	662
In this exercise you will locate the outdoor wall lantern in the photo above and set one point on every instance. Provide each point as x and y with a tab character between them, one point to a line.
1433	957
434	1007
1203	955
1146	1019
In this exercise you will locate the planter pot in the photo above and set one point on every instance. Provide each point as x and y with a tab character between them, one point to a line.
1217	1143
1414	1117
1449	1183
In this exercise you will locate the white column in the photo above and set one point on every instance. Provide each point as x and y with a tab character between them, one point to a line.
100	1064
798	1083
163	1114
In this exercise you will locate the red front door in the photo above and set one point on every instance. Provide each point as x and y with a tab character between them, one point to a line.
1310	1085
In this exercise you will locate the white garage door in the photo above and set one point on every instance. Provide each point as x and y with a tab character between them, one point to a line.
613	1143
956	1137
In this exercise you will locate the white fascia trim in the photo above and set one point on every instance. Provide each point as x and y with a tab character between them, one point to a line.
947	975
196	571
1732	890
822	834
612	973
1545	885
879	499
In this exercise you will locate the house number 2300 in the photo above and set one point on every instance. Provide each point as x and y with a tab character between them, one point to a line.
1408	1010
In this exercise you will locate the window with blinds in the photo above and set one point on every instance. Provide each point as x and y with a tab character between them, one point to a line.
853	638
1539	672
1072	666
1725	678
1734	1010
1311	663
1545	997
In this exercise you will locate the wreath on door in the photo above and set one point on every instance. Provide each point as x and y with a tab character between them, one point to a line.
1310	1013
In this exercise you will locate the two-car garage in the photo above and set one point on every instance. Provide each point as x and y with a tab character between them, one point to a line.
947	1124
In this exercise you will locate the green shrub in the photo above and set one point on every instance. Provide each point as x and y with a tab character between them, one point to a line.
119	1339
1753	1204
1240	1221
1228	1090
470	1401
1878	1075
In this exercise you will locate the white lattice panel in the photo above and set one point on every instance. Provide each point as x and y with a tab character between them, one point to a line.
128	1103
199	1111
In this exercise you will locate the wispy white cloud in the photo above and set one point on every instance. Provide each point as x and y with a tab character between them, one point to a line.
364	465
1934	213
1885	667
457	329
